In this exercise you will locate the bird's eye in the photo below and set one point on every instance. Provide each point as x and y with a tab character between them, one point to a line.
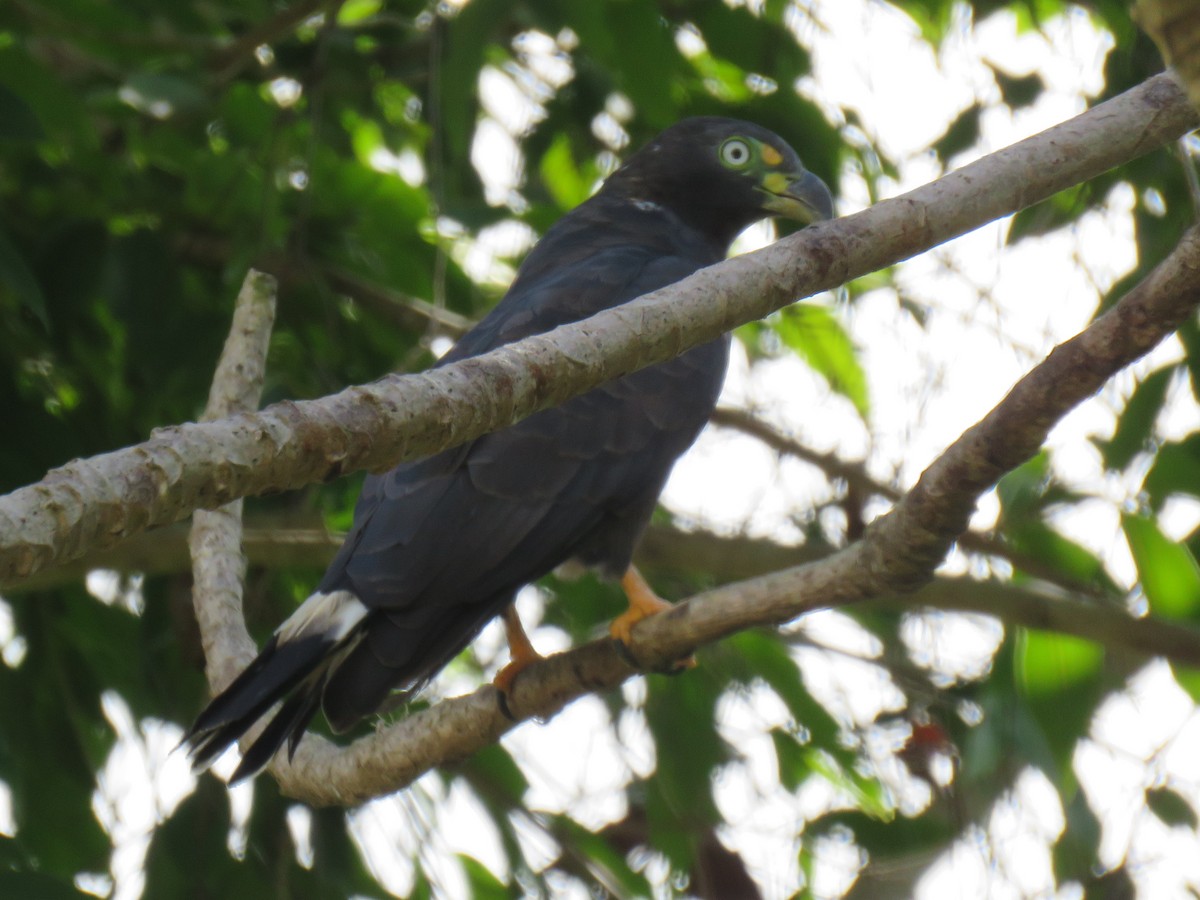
735	152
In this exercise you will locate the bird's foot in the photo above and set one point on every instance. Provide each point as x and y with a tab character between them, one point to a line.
643	603
521	653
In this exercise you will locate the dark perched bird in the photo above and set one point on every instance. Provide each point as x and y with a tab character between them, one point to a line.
442	545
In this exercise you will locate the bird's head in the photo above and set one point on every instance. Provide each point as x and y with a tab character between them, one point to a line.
722	174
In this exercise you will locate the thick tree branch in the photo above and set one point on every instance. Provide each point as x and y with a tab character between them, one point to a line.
899	552
93	503
219	569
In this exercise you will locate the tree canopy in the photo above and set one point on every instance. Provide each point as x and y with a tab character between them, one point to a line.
388	162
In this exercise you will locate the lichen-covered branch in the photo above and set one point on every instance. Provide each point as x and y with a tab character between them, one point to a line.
93	503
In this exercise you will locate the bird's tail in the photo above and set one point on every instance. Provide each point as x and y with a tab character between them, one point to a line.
292	667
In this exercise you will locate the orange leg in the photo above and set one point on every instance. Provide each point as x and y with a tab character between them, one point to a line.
520	650
643	602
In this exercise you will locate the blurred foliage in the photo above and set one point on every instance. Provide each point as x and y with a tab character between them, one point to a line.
150	153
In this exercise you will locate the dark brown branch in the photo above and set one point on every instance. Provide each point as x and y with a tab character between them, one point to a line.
229	60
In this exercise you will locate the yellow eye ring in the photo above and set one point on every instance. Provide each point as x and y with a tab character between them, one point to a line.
735	153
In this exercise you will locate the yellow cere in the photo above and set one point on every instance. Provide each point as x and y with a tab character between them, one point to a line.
771	156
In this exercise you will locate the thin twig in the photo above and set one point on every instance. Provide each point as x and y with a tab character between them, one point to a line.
218	567
405	310
856	476
229	61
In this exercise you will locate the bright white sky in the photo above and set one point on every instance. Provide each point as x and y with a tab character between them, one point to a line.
993	312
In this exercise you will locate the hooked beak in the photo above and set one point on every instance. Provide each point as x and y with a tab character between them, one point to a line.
804	198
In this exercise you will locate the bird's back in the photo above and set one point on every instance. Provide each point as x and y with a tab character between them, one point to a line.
440	546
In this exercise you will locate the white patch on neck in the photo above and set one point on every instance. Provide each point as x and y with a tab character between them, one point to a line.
647	206
331	616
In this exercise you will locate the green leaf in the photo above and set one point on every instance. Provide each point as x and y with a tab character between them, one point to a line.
57	108
36	886
1136	422
353	12
502	773
196	831
1188	679
581	603
1171	807
484	885
670	832
17	121
1176	470
1049	662
1040	542
467	44
765	656
751	42
867	793
1049	215
1018	91
1020	491
639	42
1076	851
933	17
53	766
1038	727
680	712
1167	570
815	334
721	78
791	757
962	134
567	183
16	276
1189	336
603	857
